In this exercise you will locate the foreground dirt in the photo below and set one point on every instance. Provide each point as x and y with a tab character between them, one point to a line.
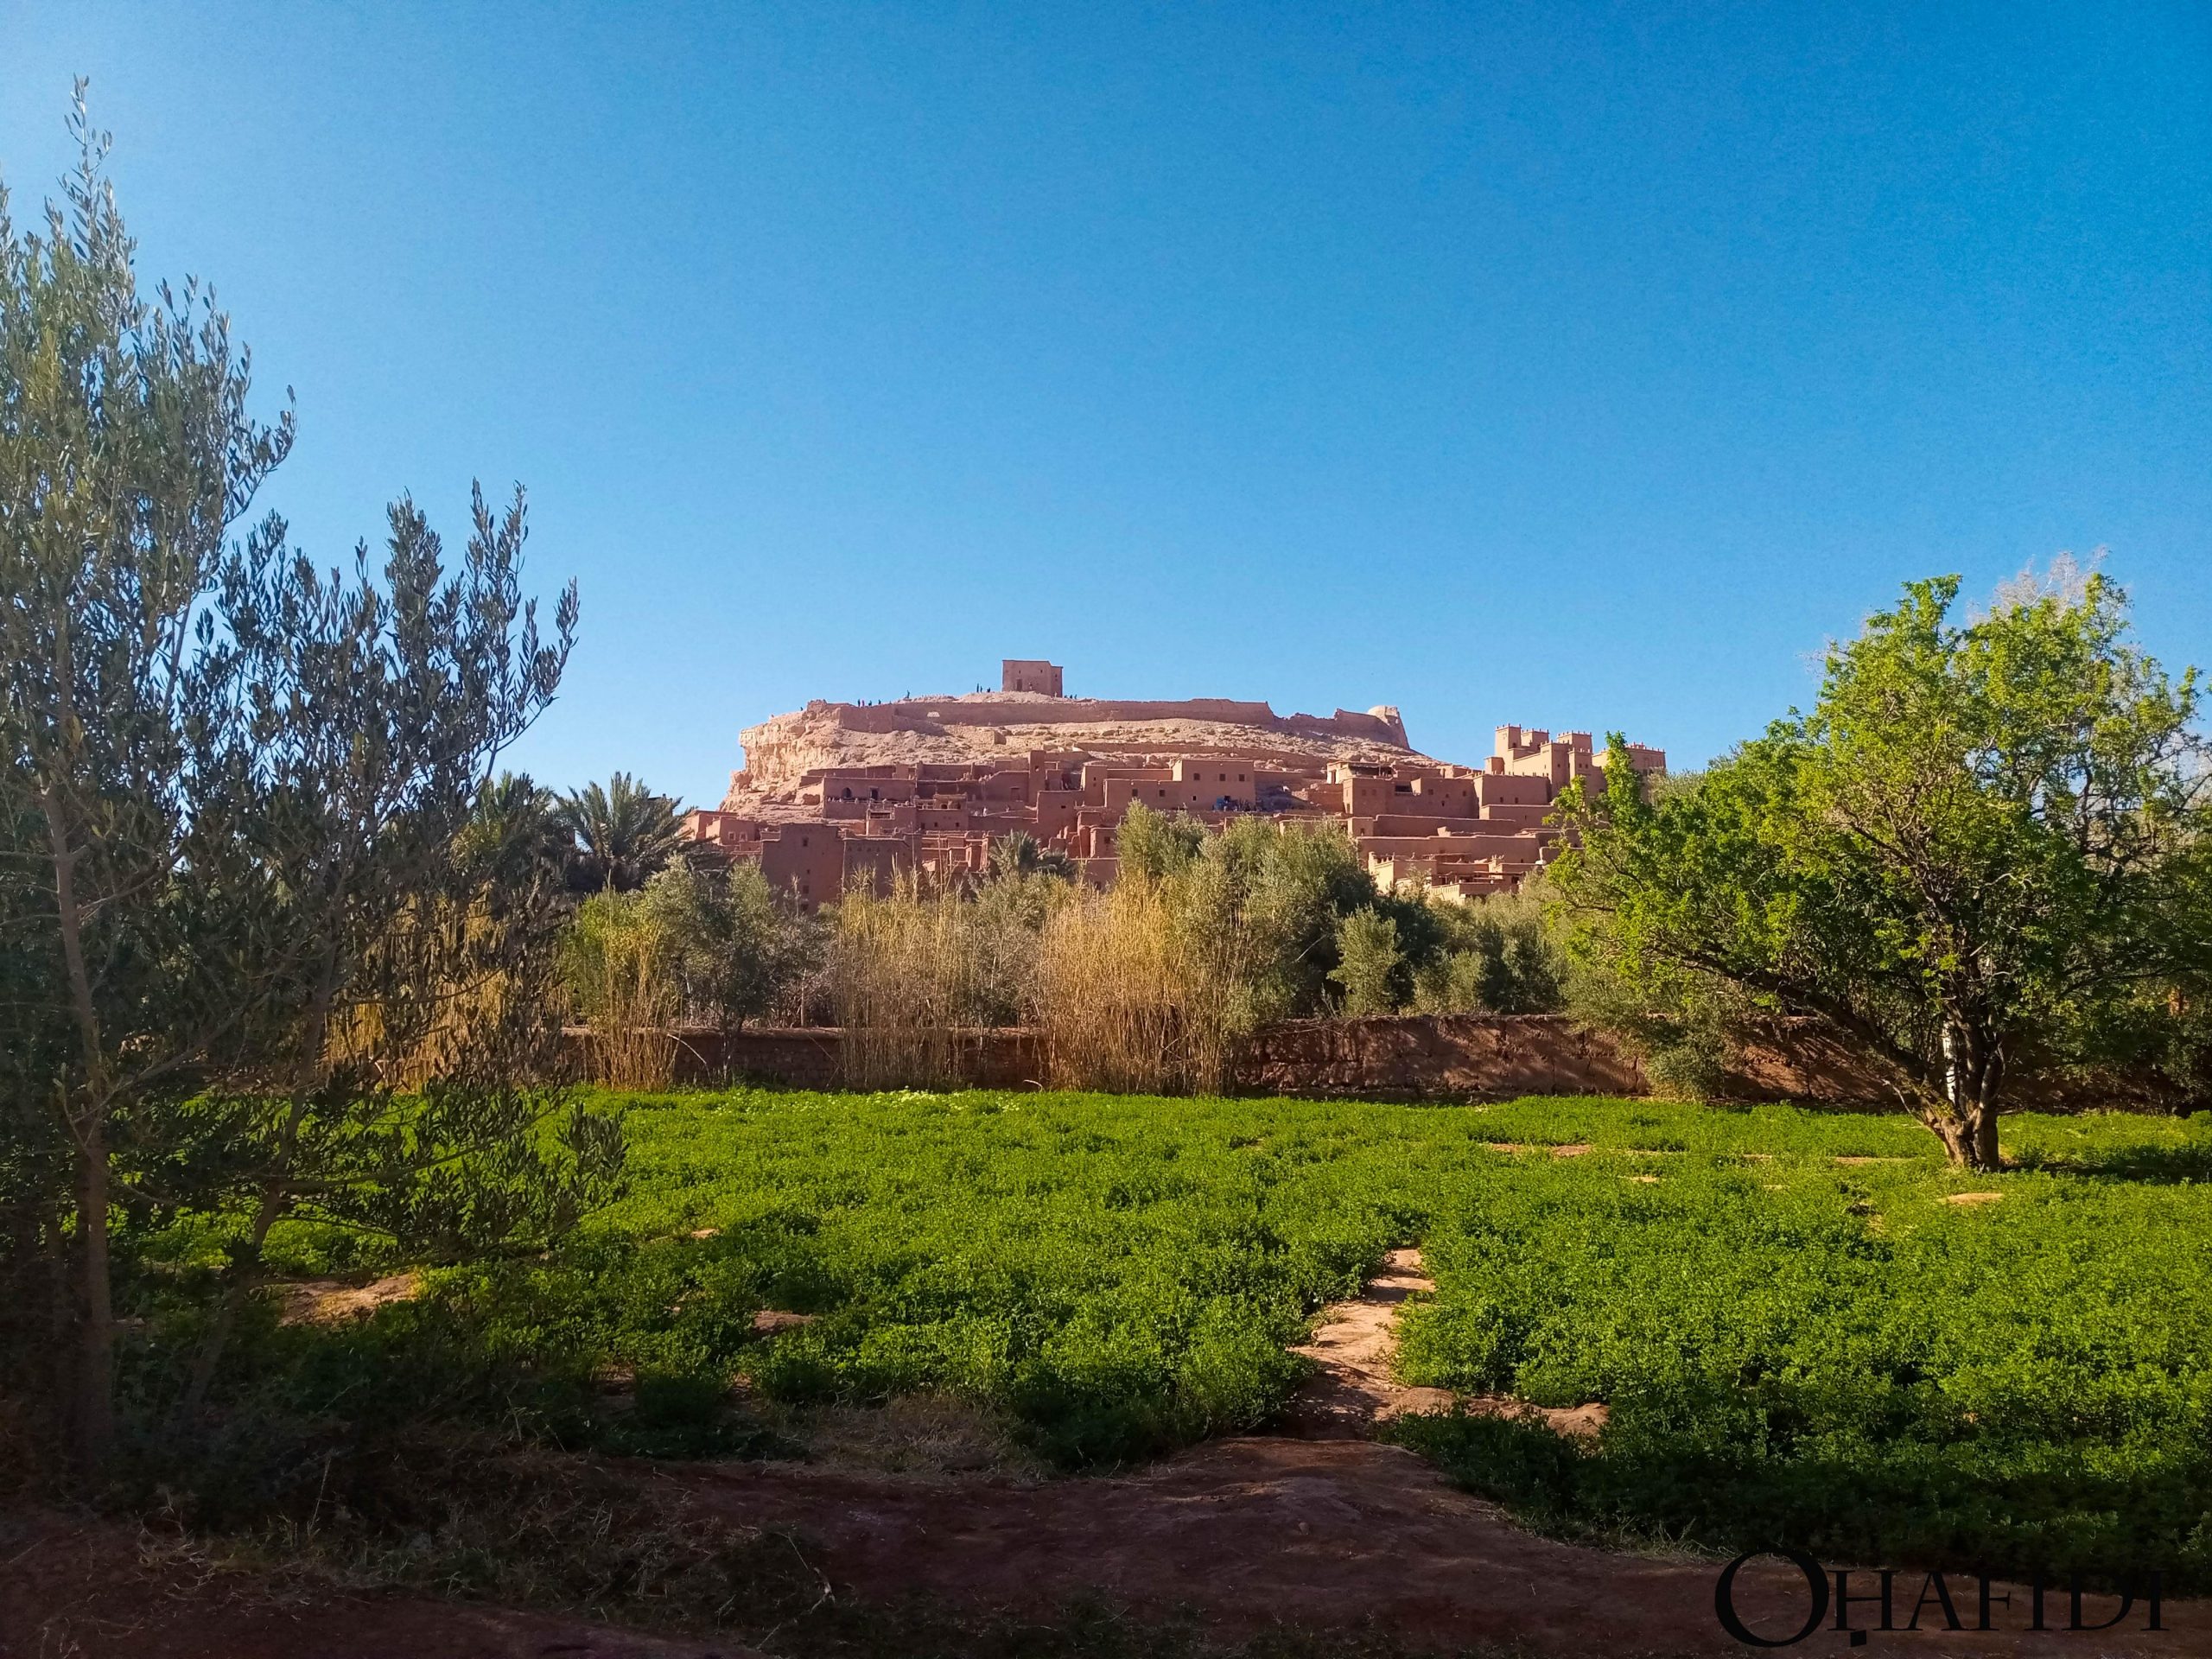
1250	1534
73	1589
1325	1533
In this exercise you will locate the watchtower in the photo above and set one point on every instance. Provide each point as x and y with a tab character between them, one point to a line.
1020	674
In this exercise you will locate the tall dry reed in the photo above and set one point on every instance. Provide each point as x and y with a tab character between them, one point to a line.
621	981
1108	995
915	974
1148	988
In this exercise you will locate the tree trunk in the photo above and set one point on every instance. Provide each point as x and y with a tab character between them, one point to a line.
94	1414
245	1277
95	1435
1957	1138
1985	1154
1974	1070
276	1194
1982	1108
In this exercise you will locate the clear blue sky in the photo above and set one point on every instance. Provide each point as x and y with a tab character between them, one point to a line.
1572	366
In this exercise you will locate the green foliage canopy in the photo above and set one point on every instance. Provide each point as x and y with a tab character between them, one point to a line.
235	797
1984	842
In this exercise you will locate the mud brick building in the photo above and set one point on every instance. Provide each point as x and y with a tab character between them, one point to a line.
844	792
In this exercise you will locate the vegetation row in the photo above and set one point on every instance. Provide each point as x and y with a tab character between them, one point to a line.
1798	1328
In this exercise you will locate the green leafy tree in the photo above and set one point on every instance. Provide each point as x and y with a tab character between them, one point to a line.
1265	904
1496	956
339	732
126	453
1984	842
1369	962
624	834
233	790
734	947
1150	845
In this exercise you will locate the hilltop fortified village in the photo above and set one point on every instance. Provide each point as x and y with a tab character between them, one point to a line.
840	792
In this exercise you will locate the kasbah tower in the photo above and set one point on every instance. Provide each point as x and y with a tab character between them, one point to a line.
839	793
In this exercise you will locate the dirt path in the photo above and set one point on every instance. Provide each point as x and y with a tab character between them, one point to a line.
1354	1344
1356	1391
1327	1533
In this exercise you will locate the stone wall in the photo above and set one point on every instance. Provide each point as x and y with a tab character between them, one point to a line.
1473	1056
1406	1056
813	1057
1466	1056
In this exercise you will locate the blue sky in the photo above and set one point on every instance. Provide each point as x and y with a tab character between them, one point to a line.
1570	365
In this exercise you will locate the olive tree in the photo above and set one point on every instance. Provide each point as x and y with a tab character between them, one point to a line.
1986	837
126	454
234	798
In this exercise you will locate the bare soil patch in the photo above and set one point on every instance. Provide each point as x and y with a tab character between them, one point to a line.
332	1301
925	1435
769	1320
1331	1533
1246	1536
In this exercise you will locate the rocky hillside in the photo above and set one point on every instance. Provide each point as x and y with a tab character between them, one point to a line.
980	726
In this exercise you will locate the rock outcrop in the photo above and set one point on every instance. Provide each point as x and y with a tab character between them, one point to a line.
984	727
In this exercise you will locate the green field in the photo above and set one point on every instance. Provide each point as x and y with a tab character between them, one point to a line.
1792	1349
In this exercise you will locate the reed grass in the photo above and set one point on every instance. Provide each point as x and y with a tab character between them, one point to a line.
622	982
1147	988
915	974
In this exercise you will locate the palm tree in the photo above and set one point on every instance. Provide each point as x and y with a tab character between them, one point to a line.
621	834
515	829
1021	853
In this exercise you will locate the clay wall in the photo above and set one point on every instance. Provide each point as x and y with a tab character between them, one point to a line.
1461	1055
1516	818
1157	791
808	860
1467	1057
842	786
1056	814
1408	824
1506	789
1362	798
1513	848
727	829
1216	779
1450	798
877	860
